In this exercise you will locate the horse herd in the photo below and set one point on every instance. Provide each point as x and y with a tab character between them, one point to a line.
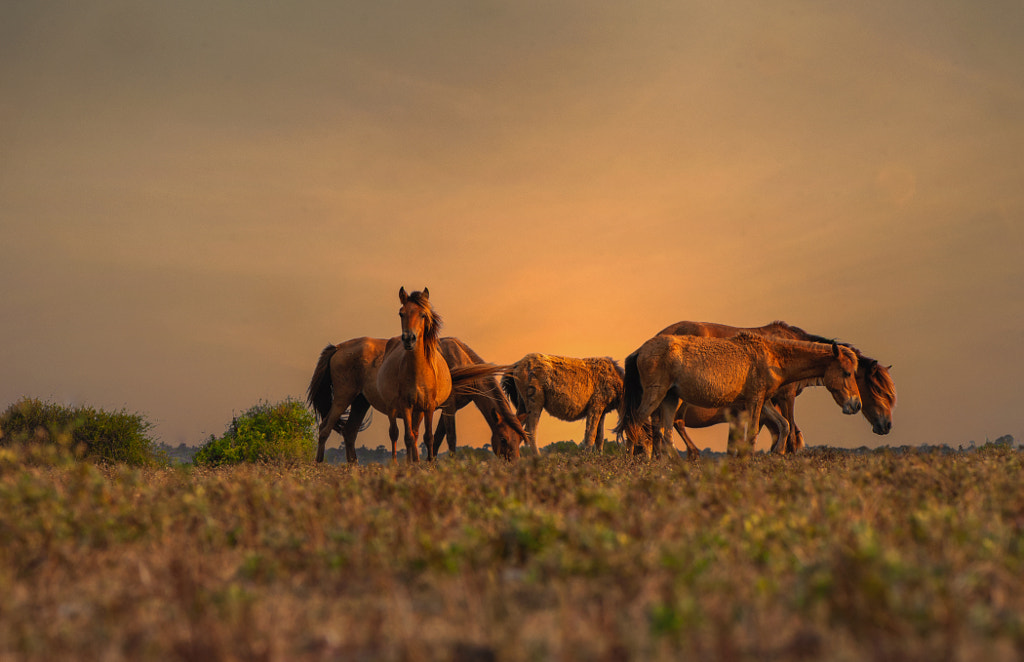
689	375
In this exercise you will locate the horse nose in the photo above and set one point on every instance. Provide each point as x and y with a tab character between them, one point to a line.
852	406
882	427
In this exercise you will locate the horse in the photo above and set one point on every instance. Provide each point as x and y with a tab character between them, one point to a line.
877	390
740	373
343	388
507	431
568	389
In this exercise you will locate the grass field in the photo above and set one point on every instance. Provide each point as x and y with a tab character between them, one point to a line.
827	555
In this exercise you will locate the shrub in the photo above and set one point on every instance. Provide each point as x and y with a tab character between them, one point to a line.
265	433
562	447
94	433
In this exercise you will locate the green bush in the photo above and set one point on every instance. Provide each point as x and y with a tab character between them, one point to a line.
279	432
93	433
562	447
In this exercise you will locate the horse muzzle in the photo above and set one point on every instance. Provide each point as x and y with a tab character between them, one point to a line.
851	406
882	426
408	340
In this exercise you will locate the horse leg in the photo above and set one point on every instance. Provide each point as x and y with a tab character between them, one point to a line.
412	433
428	434
739	425
393	434
440	433
669	406
780	427
599	439
753	424
651	446
590	433
445	430
532	419
692	452
653	395
341	402
326	426
797	437
786	400
351	428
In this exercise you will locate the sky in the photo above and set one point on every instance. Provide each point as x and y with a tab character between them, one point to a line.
197	197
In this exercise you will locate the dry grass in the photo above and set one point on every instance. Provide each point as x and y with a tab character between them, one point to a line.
573	557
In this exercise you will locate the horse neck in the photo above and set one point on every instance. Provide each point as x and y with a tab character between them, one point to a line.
423	355
802	360
490	398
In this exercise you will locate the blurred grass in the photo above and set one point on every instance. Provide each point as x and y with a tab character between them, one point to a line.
826	555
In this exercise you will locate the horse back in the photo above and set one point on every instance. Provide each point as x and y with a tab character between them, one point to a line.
699	329
706	372
355	364
567	387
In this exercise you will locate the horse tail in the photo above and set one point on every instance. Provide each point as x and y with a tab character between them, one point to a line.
632	393
463	377
320	394
508	385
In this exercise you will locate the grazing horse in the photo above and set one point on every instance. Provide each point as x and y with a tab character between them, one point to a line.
740	373
344	387
507	431
877	390
569	389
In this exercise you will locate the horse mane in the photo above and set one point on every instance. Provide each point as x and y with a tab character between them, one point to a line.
877	376
433	324
787	343
508	385
881	384
804	335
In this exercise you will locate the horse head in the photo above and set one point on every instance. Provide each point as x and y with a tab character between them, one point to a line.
878	394
841	379
506	435
419	321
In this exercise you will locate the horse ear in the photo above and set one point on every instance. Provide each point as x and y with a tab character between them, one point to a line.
402	296
426	293
835	349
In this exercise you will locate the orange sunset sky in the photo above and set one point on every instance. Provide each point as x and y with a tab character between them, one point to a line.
196	197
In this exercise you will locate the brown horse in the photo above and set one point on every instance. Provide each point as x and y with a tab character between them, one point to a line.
877	390
344	387
740	373
345	380
507	432
569	389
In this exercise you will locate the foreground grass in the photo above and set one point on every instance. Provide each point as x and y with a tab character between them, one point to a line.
822	556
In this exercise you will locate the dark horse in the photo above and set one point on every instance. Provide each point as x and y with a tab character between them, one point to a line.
877	390
507	432
344	387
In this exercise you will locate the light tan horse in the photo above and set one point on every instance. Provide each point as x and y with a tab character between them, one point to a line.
344	388
345	385
877	390
741	373
567	388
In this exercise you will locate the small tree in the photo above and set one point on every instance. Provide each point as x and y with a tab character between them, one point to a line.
94	433
265	433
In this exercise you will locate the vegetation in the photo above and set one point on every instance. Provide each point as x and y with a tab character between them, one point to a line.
825	555
89	432
282	432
